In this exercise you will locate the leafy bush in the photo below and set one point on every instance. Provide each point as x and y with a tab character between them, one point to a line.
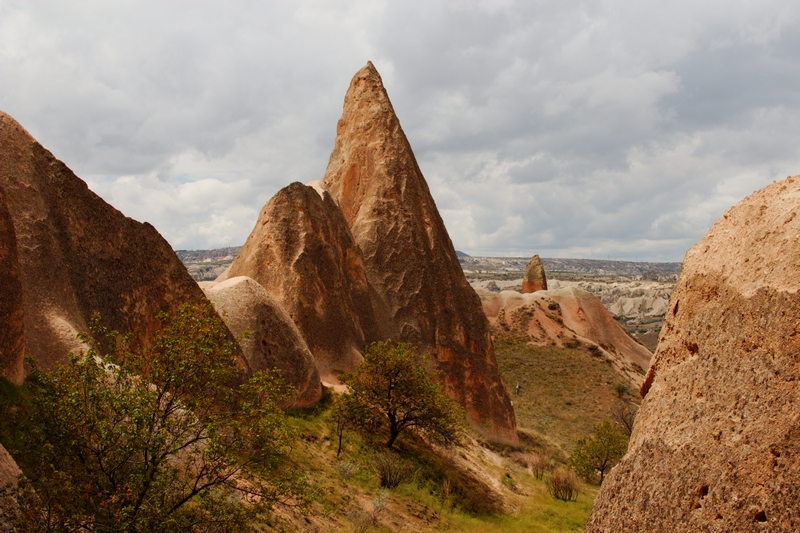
563	485
596	454
393	389
164	438
347	469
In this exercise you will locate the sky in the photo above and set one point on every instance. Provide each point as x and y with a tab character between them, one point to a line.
606	130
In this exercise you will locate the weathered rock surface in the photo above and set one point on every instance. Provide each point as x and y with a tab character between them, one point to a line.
535	278
9	471
716	445
274	340
302	253
564	316
419	292
12	331
77	254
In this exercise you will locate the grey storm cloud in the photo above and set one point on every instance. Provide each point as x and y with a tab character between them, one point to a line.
569	129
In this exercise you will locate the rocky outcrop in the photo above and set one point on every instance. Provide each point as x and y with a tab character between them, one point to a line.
716	444
302	253
77	254
564	316
12	332
535	278
418	291
273	341
9	471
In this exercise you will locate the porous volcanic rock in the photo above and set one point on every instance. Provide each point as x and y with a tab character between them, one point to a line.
77	254
274	340
302	253
563	316
535	278
419	292
12	332
716	444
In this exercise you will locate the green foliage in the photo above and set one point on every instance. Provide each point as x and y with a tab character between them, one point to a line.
621	389
596	454
160	439
392	390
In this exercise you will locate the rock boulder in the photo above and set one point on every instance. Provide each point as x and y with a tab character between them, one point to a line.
716	444
274	340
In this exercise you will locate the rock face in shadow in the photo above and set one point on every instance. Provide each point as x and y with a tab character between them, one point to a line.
419	293
12	331
302	253
274	340
535	278
77	254
716	444
564	316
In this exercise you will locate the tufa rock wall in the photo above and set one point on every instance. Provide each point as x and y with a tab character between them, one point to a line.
77	254
302	253
716	444
274	340
12	332
418	291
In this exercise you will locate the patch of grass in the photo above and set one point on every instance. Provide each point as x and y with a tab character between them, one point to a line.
563	392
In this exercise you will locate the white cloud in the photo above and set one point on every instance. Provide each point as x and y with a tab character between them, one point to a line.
606	129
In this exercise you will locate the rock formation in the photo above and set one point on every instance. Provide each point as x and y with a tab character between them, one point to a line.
77	254
302	253
534	279
564	316
274	340
418	290
716	444
12	332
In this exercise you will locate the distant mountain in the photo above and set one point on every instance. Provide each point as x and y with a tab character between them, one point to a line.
461	254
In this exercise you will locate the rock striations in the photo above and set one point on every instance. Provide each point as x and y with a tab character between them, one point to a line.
418	290
77	255
302	253
563	316
273	341
534	279
716	445
12	332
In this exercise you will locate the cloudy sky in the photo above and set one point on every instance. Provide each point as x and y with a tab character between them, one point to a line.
569	129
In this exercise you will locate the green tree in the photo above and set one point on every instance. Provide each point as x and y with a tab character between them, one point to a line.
596	454
166	438
393	389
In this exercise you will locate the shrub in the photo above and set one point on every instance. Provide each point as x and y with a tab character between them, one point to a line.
563	485
391	470
347	469
621	389
538	465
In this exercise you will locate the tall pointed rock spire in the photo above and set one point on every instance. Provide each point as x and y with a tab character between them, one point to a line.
418	290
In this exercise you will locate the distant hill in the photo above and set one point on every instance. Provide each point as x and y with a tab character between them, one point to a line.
206	265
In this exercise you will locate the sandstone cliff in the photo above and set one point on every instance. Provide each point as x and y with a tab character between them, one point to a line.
564	316
12	332
77	254
716	445
419	293
302	253
535	278
273	342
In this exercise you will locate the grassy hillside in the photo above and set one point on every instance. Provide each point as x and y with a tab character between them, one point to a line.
563	392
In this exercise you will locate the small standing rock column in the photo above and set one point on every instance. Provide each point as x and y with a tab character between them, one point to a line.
535	279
